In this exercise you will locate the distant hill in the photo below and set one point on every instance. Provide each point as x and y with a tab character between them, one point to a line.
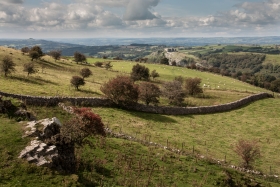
44	44
172	41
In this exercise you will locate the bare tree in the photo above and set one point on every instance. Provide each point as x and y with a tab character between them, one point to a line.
149	93
248	150
174	92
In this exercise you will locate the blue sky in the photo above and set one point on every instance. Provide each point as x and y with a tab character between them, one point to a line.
138	18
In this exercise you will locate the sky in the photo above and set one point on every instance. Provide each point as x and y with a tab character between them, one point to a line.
138	18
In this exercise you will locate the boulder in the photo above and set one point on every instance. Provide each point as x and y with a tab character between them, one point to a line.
39	152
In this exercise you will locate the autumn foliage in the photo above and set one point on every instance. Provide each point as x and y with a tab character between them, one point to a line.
121	90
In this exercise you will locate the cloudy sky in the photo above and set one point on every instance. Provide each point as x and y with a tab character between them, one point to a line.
138	18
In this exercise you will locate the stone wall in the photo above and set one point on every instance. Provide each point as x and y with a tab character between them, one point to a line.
91	101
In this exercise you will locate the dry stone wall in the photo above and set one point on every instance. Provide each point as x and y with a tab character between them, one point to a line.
91	101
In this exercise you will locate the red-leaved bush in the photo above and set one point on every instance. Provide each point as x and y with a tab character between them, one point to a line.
90	122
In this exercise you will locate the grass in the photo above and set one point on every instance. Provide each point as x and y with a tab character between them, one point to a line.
53	78
109	162
212	134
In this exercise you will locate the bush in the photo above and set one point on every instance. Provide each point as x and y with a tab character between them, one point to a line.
85	72
35	52
56	54
7	65
29	68
121	90
248	150
149	93
164	61
140	72
174	92
98	64
77	81
154	74
108	66
192	86
79	57
25	49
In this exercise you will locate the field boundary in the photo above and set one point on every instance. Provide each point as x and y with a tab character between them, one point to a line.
102	102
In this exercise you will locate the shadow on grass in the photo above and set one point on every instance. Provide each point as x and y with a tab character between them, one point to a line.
88	92
153	117
27	80
33	80
50	65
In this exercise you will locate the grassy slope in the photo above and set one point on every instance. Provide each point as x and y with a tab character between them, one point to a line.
212	134
111	162
218	131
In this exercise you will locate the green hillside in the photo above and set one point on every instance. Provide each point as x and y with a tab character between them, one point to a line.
118	162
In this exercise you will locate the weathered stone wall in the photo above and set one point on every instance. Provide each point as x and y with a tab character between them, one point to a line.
53	101
90	101
202	109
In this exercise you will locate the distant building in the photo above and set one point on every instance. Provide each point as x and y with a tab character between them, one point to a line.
170	49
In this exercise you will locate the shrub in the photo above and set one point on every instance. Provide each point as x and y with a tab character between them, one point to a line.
174	92
7	65
25	49
248	150
56	54
164	61
154	74
192	86
79	57
29	68
275	85
98	64
108	66
139	72
85	72
77	81
35	52
149	93
121	90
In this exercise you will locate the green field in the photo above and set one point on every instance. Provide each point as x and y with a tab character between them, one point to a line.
117	162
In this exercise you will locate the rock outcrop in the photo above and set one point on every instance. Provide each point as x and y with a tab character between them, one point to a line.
39	152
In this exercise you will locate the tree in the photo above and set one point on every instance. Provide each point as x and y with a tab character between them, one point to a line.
85	72
35	52
79	57
77	81
248	150
139	72
154	74
7	65
121	90
29	68
192	86
149	93
25	49
275	85
174	92
164	61
34	55
56	54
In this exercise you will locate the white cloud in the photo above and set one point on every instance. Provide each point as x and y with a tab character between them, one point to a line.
140	10
139	17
